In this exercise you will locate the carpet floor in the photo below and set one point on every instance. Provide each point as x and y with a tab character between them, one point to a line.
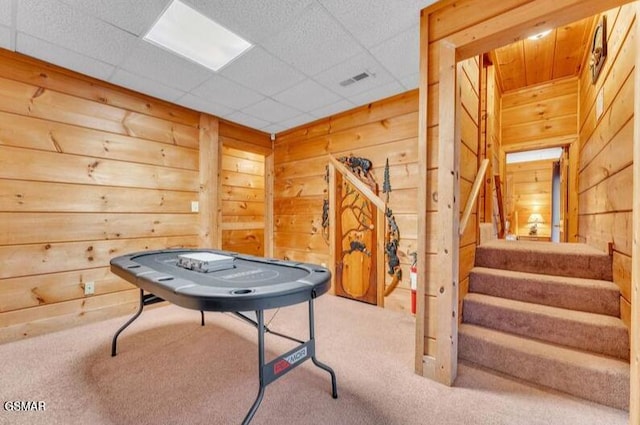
170	370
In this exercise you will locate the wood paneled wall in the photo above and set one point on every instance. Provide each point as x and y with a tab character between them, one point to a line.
470	89
90	171
528	191
540	116
379	131
606	163
243	201
87	172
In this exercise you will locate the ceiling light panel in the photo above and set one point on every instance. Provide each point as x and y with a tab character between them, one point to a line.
192	35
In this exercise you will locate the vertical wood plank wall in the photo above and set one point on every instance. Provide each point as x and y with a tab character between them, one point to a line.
89	171
606	165
470	89
381	130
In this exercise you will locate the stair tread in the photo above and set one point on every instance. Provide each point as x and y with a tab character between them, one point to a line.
550	311
568	259
559	279
546	350
565	248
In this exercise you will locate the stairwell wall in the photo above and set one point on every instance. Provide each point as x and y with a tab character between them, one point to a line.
605	183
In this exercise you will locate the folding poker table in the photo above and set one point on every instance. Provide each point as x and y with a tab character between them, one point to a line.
251	284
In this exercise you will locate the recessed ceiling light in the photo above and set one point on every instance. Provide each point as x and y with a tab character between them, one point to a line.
190	34
539	35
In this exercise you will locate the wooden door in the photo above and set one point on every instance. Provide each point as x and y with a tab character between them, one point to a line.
355	244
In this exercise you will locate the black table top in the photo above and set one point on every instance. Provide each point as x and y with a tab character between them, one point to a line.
254	283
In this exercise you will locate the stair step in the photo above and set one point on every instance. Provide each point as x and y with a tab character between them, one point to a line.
593	377
597	333
566	259
590	295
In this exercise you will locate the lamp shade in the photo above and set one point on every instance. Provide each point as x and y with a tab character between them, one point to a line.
535	218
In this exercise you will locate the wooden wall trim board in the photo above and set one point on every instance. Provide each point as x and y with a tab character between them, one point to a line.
473	27
634	408
209	183
269	176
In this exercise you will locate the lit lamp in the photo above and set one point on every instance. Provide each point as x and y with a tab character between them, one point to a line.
534	220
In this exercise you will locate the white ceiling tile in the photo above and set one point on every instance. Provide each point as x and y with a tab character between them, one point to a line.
273	128
272	111
5	38
325	111
307	96
253	19
262	72
248	120
298	120
135	16
372	22
378	93
221	90
411	82
145	85
161	65
71	29
400	55
364	62
57	55
5	12
203	105
313	42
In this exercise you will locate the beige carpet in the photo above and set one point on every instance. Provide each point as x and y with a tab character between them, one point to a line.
169	370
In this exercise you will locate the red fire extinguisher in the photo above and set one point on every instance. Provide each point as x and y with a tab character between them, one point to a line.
414	281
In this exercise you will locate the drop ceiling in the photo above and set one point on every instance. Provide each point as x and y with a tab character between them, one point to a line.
303	51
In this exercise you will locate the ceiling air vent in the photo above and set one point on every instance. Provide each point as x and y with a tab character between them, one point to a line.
354	79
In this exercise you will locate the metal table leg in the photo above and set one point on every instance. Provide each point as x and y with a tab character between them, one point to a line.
114	342
256	403
312	336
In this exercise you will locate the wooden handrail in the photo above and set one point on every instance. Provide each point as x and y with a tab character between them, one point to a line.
475	191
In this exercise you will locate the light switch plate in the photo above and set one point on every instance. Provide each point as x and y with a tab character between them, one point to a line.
195	206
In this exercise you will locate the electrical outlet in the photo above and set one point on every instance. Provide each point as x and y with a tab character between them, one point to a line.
89	288
195	206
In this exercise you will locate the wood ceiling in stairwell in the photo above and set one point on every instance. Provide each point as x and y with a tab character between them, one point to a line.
557	55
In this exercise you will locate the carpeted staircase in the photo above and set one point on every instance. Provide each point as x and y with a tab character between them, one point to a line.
548	314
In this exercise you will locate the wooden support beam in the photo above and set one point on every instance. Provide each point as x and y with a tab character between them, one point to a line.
209	179
423	101
475	191
448	215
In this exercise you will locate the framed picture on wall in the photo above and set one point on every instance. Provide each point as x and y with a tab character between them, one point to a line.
598	48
